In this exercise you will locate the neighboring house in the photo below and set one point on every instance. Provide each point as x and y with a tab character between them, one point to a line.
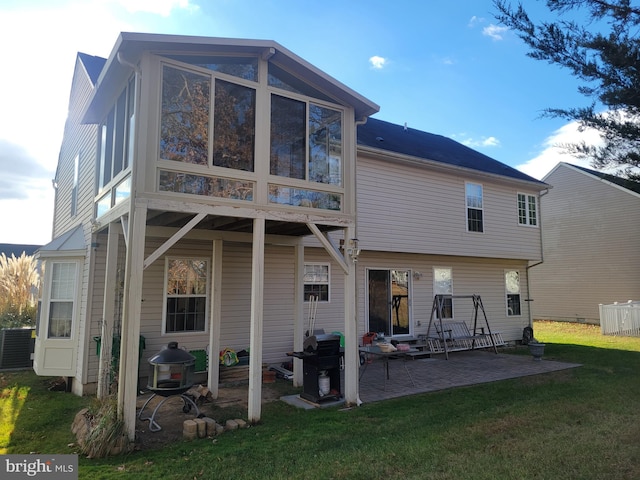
207	188
17	249
591	233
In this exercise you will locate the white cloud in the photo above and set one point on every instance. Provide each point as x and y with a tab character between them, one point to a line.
494	31
475	142
475	21
377	63
553	153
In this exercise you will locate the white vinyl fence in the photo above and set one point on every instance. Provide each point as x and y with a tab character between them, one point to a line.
620	319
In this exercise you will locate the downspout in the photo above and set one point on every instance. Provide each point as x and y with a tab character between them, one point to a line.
541	258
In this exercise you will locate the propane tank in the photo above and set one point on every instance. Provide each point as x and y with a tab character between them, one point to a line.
324	383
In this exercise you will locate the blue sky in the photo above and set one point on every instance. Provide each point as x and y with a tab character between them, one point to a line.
442	66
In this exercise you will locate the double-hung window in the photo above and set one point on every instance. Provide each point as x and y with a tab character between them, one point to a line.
475	213
512	286
186	281
316	281
527	210
62	299
443	285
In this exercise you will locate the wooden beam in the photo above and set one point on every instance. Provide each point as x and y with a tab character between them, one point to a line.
351	351
174	239
298	314
331	249
257	314
216	317
130	334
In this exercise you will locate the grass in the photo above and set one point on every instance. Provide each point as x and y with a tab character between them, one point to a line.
578	423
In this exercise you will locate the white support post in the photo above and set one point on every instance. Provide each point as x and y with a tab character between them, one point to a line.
257	314
298	315
351	352
213	367
108	310
130	344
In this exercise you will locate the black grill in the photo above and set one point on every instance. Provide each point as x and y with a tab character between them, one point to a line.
321	360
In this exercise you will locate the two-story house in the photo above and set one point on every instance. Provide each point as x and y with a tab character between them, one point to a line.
590	228
207	187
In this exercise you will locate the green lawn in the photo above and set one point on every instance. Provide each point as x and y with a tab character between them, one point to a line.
578	423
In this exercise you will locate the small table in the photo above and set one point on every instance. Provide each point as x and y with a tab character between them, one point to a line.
375	350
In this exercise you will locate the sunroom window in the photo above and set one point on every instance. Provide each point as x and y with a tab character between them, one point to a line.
290	144
185	120
184	127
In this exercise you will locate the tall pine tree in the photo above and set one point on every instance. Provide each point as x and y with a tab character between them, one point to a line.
604	53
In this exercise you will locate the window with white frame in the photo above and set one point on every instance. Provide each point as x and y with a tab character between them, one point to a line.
186	281
527	210
512	286
62	299
475	213
443	285
316	281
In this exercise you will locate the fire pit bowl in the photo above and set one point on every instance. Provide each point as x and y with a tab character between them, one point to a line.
171	373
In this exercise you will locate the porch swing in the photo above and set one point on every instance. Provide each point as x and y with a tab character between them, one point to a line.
455	336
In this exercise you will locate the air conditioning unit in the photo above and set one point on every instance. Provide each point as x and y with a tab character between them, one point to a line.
16	347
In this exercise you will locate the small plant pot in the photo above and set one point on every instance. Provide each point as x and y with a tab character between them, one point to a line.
268	376
537	350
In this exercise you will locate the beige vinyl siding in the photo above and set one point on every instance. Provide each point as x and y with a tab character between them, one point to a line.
79	139
484	277
236	300
591	233
411	209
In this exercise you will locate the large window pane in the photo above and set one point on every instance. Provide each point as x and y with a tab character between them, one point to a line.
234	126
304	198
184	128
241	67
325	145
288	132
204	185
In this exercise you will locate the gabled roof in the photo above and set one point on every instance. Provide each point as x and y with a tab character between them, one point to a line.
378	134
129	46
93	65
621	182
70	243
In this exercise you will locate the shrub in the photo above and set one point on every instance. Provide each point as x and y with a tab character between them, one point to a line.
19	285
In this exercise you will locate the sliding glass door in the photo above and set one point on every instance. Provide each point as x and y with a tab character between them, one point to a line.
388	292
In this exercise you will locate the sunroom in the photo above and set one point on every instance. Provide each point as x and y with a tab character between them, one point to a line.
220	140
